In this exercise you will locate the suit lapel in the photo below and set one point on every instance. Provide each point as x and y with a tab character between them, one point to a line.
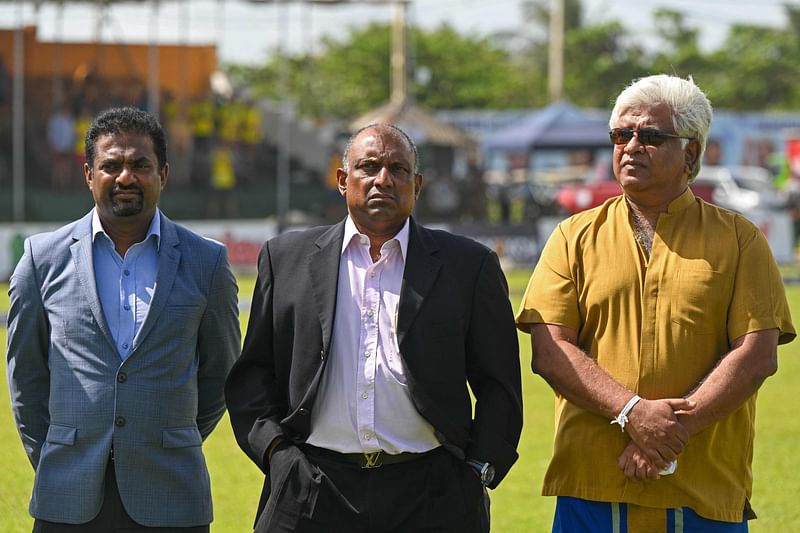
323	267
81	251
169	257
420	272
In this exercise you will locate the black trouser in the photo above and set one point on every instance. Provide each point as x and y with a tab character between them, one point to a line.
315	491
112	517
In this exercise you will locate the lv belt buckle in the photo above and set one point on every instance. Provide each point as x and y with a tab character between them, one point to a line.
372	460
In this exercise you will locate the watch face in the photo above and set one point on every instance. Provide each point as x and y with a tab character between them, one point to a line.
487	475
485	471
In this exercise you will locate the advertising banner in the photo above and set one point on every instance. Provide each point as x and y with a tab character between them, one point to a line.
518	247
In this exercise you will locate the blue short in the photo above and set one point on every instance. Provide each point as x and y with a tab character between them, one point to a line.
574	515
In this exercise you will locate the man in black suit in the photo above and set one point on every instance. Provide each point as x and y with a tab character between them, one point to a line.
351	393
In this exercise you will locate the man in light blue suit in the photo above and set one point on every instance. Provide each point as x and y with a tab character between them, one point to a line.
122	328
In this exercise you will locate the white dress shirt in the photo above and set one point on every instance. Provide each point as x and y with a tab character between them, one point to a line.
363	404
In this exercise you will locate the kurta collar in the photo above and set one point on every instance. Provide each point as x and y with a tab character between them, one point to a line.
682	202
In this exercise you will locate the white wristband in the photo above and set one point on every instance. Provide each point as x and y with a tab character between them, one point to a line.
622	417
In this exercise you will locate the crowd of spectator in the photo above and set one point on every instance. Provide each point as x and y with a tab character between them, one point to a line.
216	143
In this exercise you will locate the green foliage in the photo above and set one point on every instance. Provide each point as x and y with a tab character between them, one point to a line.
466	72
598	64
352	76
681	52
755	68
766	68
537	12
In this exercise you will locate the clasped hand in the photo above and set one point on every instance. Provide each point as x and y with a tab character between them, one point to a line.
657	437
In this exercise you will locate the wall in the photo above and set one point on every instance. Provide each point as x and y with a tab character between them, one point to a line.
183	70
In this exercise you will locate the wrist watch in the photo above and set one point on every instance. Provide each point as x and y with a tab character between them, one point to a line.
485	471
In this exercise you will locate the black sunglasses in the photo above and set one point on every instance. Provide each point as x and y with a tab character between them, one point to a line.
646	136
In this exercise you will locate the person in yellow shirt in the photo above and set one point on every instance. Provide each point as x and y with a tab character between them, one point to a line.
222	200
655	317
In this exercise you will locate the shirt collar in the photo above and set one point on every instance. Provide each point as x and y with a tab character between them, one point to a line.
683	201
153	230
351	231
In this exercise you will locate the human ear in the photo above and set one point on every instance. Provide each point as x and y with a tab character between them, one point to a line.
341	180
691	155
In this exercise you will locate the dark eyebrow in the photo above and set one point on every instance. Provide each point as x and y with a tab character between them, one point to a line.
119	160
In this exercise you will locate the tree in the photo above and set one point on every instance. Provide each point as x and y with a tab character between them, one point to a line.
597	60
469	73
599	64
680	52
352	76
755	68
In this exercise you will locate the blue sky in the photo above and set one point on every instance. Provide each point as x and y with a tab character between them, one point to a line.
246	32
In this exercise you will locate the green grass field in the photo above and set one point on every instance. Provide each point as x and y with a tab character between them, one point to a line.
516	505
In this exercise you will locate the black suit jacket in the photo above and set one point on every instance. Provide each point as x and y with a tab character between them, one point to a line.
455	325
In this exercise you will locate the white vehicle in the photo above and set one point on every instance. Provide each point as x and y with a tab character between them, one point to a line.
738	196
760	180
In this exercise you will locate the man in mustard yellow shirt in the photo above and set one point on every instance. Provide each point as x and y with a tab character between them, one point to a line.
655	318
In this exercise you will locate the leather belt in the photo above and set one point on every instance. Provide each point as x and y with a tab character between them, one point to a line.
367	460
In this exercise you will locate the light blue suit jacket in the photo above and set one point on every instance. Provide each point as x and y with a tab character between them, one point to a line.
73	397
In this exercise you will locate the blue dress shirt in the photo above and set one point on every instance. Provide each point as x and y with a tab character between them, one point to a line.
125	285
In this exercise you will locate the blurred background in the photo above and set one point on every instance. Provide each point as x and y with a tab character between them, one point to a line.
508	102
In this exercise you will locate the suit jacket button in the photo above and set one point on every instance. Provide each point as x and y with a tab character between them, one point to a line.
122	377
303	411
298	438
119	422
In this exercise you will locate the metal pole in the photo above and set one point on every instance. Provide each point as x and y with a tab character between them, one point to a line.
18	118
58	56
398	61
284	141
183	40
219	27
99	67
153	63
555	66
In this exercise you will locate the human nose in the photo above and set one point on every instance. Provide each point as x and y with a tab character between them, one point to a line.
126	175
633	145
384	177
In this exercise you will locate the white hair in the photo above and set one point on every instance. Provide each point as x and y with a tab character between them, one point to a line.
690	108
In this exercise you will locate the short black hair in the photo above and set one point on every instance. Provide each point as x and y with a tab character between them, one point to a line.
380	126
127	119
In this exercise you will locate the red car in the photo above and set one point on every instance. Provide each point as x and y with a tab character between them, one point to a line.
577	197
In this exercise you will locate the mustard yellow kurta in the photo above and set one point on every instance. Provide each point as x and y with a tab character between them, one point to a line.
658	327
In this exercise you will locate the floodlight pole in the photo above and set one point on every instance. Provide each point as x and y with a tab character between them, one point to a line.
58	55
18	119
398	59
153	64
284	139
184	19
555	65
